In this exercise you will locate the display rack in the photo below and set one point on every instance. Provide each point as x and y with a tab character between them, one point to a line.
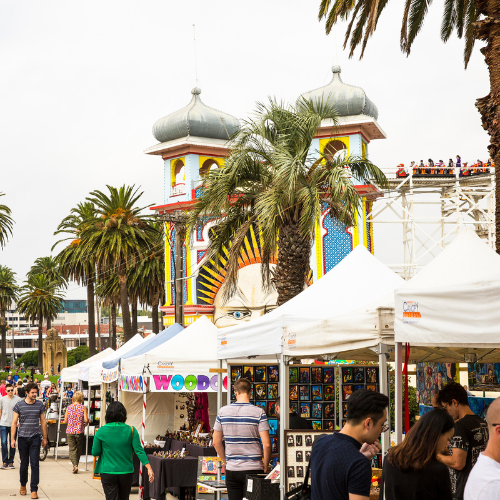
312	394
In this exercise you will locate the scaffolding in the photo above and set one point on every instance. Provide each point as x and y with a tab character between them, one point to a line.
430	210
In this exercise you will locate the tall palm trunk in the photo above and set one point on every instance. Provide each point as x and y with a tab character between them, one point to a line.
49	324
122	281
40	343
3	327
91	315
113	325
134	316
488	30
156	300
293	263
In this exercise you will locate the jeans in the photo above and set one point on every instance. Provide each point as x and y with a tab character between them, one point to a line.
75	448
7	451
236	483
117	486
29	452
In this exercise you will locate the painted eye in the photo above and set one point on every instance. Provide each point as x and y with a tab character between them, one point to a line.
239	314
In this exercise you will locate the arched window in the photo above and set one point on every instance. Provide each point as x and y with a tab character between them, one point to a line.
334	148
207	166
179	172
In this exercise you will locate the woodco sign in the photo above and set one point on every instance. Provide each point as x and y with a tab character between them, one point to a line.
179	383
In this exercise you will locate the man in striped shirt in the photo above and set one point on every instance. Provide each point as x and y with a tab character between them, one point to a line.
243	426
29	413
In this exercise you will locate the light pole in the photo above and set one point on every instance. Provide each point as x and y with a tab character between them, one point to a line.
12	360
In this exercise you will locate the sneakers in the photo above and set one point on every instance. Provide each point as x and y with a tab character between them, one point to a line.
3	466
11	466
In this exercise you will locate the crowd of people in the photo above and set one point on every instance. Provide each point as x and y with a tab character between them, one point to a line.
442	168
449	454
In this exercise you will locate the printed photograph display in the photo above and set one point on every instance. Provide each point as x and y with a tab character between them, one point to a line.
432	377
272	374
484	376
248	373
260	373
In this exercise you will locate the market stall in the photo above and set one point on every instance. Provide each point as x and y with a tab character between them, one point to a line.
359	283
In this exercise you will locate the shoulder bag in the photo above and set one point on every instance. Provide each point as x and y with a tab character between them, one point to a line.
302	492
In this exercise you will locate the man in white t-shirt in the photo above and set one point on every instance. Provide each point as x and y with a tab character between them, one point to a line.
484	479
45	383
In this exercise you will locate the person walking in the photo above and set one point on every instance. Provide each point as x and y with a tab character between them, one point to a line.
484	479
411	470
469	440
3	392
338	470
7	404
243	425
30	414
115	444
77	419
19	390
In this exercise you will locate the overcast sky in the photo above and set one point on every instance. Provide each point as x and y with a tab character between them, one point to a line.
83	82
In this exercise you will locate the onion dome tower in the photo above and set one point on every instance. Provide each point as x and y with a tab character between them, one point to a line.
192	141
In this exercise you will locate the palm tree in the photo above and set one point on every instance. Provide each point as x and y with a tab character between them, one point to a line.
49	267
273	181
115	237
40	299
8	295
149	278
471	19
77	265
6	223
108	292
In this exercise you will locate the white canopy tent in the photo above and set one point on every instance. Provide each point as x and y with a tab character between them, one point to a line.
185	362
70	373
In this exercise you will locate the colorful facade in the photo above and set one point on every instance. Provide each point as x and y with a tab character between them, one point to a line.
188	157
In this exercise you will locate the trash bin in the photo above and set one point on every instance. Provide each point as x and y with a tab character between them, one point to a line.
260	488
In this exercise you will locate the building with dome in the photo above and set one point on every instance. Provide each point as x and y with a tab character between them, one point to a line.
194	140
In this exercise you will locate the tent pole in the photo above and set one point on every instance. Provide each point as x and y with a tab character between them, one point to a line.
229	384
219	384
283	420
143	426
61	392
384	389
398	391
88	427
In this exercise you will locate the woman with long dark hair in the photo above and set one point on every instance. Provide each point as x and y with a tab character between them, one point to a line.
411	469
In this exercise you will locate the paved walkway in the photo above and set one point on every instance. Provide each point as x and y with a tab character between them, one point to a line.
57	481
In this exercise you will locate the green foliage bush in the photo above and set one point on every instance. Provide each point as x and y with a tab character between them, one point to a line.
412	401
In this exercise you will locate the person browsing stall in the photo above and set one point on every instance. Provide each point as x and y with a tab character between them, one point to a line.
469	440
295	421
484	480
338	470
77	420
115	444
243	426
411	469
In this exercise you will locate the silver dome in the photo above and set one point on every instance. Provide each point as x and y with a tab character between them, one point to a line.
348	100
197	120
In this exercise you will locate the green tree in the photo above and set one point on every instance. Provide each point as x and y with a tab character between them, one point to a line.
108	292
272	180
6	223
40	299
470	19
51	269
413	409
29	358
77	264
116	236
8	295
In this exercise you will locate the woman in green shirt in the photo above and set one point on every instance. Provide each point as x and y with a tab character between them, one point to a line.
115	444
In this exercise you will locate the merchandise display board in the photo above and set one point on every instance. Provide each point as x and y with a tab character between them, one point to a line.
313	395
484	377
208	485
298	454
354	378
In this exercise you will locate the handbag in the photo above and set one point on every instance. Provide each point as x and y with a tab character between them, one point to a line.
302	492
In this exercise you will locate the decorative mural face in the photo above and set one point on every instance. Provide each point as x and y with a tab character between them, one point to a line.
250	300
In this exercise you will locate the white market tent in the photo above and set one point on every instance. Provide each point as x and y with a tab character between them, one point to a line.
91	373
70	373
192	352
358	279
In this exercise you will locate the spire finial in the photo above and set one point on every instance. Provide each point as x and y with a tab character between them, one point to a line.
195	61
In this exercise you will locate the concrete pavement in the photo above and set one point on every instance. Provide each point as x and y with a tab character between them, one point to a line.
57	482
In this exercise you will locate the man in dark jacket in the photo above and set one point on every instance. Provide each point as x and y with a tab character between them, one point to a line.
296	421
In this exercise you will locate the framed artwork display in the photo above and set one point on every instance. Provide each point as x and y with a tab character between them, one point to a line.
304	375
260	373
248	373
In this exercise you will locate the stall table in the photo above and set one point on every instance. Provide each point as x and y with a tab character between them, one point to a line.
171	473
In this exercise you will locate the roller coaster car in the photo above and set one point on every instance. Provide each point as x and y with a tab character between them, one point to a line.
401	171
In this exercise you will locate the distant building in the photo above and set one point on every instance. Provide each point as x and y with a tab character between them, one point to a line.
74	306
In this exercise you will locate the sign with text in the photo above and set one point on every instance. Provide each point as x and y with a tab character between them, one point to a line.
181	383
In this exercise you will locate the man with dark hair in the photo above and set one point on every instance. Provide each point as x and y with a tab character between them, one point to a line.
471	436
243	426
29	413
295	421
7	404
338	470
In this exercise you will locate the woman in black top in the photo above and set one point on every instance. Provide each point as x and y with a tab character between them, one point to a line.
411	470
